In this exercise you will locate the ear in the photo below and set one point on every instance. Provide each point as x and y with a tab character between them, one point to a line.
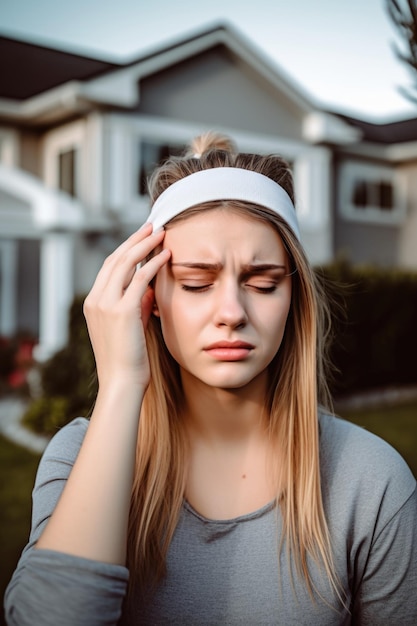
155	310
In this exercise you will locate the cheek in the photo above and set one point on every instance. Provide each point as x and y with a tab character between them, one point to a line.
273	315
176	321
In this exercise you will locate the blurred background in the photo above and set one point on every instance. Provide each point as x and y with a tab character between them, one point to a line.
94	94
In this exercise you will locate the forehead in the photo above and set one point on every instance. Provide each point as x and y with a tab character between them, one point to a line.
218	232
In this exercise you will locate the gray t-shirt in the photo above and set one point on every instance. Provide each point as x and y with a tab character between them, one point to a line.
228	572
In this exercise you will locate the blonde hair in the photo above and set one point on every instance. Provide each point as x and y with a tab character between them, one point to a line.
297	387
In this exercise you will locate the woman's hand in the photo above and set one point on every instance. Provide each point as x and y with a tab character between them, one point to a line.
91	516
118	307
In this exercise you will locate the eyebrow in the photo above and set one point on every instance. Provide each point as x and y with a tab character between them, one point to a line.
252	268
213	267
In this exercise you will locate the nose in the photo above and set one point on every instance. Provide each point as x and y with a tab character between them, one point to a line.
230	306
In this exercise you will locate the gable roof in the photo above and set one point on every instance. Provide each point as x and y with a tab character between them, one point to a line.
31	69
38	80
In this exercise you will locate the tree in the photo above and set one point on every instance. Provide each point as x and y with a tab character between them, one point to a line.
404	16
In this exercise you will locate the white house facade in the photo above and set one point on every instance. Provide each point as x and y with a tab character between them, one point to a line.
78	141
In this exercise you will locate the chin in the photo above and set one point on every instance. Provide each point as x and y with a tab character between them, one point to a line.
229	381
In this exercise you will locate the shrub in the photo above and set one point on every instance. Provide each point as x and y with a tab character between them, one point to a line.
375	342
46	415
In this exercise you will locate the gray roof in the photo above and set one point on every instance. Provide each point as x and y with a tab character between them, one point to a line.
28	69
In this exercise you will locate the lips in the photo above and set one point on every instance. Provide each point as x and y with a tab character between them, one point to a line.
229	350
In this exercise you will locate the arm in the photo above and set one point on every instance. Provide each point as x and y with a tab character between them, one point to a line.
387	592
73	566
91	517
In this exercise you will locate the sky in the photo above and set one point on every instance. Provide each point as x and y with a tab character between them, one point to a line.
339	53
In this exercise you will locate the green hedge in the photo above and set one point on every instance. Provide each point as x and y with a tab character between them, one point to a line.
374	345
375	340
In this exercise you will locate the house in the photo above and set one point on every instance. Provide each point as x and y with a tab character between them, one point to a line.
78	136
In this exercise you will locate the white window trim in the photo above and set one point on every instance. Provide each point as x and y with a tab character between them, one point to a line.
352	171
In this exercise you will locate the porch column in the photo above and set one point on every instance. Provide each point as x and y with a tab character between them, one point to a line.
312	174
57	292
8	287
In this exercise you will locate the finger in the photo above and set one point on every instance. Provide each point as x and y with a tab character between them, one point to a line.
139	285
118	271
144	231
128	265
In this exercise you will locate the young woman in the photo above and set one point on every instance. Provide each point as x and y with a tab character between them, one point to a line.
209	486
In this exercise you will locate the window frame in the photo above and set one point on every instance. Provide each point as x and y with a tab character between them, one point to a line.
372	176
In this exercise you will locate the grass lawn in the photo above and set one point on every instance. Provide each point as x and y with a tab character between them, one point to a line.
17	474
396	424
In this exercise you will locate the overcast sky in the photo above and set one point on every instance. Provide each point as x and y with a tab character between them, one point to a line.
339	52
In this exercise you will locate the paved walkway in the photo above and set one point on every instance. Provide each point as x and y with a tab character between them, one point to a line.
376	398
11	412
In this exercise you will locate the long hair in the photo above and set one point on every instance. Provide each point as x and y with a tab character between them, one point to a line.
297	388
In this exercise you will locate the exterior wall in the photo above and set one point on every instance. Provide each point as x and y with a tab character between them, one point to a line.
368	243
221	91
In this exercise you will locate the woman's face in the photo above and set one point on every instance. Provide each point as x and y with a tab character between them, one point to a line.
224	297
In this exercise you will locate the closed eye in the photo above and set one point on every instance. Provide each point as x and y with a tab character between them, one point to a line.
267	288
270	288
195	288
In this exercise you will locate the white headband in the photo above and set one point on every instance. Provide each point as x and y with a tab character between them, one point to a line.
223	183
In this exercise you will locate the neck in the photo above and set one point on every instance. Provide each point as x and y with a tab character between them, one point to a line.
230	449
227	415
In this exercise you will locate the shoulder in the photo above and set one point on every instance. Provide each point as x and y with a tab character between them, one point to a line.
361	468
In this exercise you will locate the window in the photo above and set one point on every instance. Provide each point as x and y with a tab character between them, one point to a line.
152	154
376	194
372	192
67	171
